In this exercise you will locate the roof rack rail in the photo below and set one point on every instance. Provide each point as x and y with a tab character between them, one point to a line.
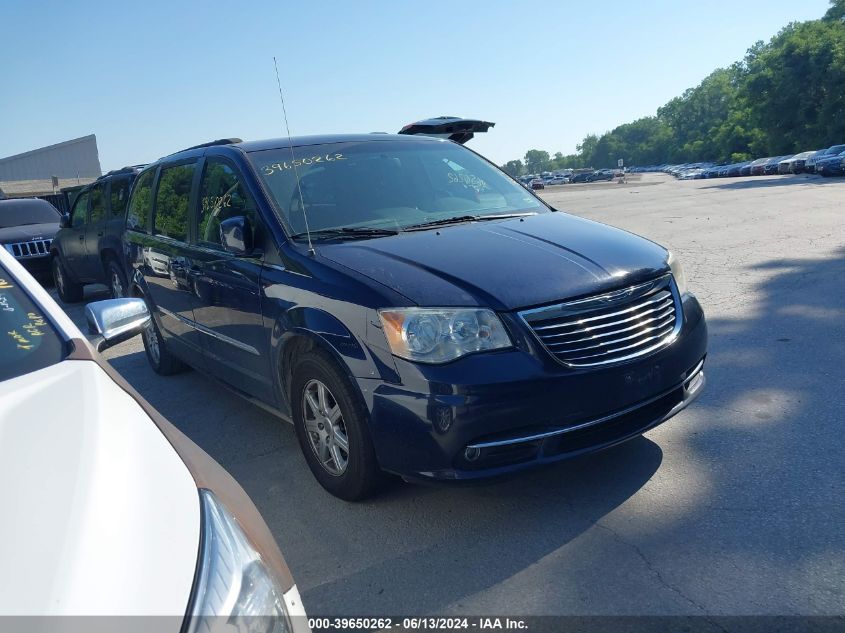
220	141
123	170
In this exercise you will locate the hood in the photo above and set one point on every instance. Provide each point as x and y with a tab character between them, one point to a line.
28	232
504	265
831	159
103	516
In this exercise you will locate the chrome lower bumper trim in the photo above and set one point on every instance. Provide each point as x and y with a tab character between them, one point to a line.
692	386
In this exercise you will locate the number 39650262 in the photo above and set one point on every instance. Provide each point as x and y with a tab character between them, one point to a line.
269	170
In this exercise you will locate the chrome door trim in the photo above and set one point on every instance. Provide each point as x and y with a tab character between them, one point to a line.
209	332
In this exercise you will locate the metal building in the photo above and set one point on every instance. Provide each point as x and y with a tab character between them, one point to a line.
76	158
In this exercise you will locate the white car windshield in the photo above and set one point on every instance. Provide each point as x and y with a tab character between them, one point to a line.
28	341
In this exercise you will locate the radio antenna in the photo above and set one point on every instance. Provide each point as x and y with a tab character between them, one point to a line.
292	160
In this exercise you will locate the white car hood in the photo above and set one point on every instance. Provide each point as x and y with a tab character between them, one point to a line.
98	513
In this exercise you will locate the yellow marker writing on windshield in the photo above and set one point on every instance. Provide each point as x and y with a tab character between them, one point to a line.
19	338
33	330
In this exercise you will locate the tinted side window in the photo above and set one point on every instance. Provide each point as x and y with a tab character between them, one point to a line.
118	196
141	203
98	204
80	207
222	196
172	196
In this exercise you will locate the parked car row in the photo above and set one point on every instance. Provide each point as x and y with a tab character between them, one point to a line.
544	180
595	175
569	176
825	162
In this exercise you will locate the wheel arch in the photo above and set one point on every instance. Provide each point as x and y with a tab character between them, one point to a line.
56	255
295	343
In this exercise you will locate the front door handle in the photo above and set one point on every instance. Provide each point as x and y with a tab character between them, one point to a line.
100	234
81	237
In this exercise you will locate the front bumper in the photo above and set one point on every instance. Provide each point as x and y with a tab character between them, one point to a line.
490	414
830	169
36	266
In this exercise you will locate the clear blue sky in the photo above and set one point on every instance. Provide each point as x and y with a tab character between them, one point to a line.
149	78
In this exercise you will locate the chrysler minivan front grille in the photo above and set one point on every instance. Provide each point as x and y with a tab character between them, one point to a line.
32	248
609	328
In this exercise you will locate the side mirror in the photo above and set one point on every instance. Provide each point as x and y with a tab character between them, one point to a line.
236	235
113	321
64	221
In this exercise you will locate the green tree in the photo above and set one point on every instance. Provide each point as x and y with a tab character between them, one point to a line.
586	149
514	168
536	161
794	87
836	12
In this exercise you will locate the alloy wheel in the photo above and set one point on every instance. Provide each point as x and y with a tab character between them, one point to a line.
325	427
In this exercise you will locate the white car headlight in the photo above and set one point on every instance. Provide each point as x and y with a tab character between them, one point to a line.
438	335
678	273
234	590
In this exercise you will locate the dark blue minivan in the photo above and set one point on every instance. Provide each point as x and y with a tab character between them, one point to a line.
408	306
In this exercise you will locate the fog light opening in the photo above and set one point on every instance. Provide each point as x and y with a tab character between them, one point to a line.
472	453
693	383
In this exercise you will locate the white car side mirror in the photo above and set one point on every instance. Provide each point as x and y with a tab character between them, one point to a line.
113	321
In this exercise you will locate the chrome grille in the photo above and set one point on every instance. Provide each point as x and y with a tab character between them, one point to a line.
611	327
33	248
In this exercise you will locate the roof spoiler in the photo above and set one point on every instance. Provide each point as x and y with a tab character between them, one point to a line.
454	128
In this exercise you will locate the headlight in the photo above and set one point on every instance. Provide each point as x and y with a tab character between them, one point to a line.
678	273
438	335
234	590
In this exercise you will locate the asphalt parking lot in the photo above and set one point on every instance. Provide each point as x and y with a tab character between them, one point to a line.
734	507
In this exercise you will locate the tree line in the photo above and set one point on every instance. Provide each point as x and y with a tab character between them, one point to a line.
785	96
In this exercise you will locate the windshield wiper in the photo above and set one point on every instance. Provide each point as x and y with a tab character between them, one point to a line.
347	232
464	218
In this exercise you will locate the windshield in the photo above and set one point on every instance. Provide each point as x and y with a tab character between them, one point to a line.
386	185
28	211
28	342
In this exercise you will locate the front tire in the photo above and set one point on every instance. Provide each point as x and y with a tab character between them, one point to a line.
117	279
69	291
160	358
332	429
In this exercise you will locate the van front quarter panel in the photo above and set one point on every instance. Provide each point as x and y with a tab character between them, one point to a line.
303	312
